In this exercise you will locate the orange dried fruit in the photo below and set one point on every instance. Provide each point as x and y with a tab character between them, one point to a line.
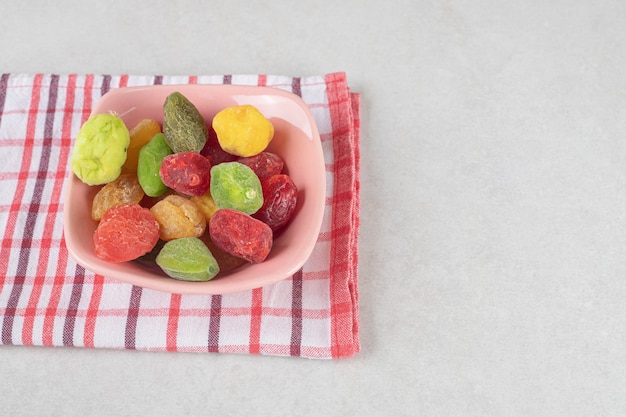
124	190
140	135
178	217
206	204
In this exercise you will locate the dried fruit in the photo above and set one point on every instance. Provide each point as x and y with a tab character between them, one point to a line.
188	173
193	177
236	186
140	135
100	149
214	151
205	203
280	197
125	233
123	190
148	260
187	259
150	158
184	127
178	217
242	130
241	235
264	165
226	261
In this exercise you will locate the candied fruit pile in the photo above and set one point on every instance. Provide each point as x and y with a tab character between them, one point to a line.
197	197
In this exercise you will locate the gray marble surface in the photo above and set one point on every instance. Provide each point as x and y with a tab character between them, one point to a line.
493	229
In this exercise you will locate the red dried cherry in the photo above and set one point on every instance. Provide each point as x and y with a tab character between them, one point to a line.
188	173
214	151
264	164
280	197
239	234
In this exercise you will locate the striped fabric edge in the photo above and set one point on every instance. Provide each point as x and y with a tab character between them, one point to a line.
344	108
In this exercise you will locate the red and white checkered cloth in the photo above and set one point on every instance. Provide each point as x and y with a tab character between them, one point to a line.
46	299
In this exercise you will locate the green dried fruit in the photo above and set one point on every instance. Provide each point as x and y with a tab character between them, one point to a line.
187	259
150	157
100	149
236	186
183	125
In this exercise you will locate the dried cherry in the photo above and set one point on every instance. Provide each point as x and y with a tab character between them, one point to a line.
241	235
280	197
188	173
264	164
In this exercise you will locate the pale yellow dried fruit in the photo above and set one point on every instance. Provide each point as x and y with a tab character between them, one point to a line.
100	149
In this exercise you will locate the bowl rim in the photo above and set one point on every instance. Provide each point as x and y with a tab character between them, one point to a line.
227	283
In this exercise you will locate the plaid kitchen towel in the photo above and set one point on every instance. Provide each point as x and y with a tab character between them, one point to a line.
46	299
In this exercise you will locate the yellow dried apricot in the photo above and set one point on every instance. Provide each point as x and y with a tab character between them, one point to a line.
206	204
243	130
178	217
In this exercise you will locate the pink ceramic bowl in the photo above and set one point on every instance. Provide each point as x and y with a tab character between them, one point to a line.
296	140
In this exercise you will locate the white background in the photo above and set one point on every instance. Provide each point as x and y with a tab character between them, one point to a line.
493	222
